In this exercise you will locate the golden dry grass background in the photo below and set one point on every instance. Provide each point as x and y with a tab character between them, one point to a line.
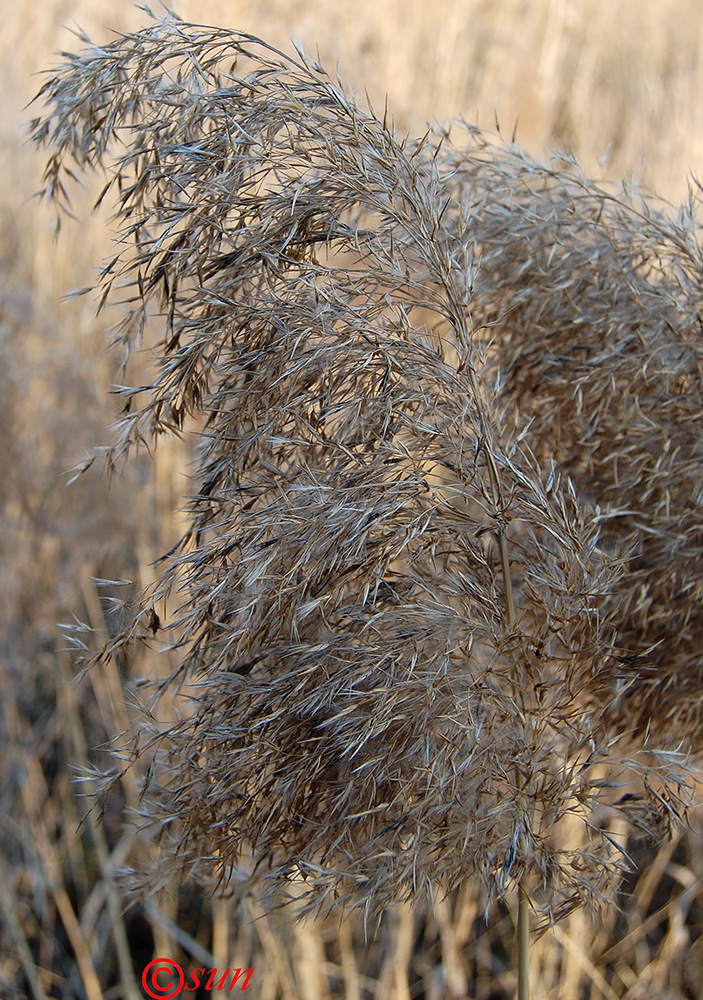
617	83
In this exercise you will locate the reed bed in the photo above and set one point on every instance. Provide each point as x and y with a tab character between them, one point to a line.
404	626
420	613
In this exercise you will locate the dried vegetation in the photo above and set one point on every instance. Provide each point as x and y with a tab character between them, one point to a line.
410	632
433	615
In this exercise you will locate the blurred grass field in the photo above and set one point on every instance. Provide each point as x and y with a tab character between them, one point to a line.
619	84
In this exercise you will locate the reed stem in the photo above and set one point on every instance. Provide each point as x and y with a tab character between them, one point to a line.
523	945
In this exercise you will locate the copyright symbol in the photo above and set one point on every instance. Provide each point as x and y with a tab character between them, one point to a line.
153	988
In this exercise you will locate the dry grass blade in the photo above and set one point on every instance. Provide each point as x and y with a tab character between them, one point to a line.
399	626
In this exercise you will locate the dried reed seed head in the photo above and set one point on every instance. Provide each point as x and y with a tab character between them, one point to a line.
368	711
597	306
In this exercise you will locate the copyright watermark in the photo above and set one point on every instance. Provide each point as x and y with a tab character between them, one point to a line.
173	979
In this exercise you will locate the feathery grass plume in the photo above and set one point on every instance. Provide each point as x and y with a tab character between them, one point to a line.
596	304
395	624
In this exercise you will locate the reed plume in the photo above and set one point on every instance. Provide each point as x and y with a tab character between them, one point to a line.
596	300
406	605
